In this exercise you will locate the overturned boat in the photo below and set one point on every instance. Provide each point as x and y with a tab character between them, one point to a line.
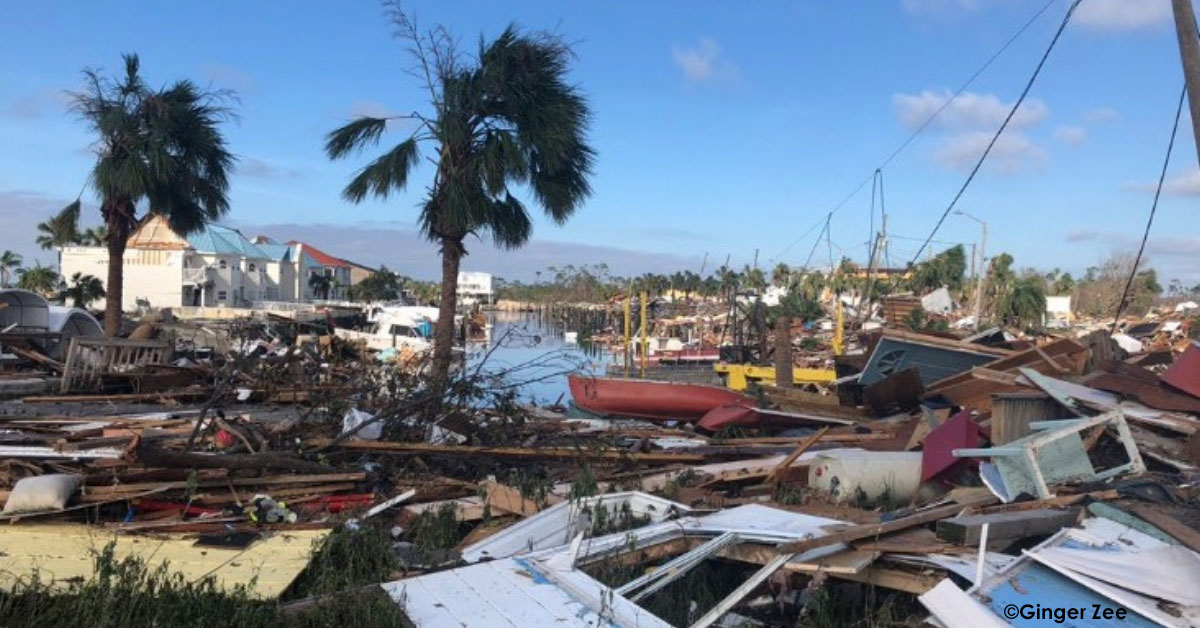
646	399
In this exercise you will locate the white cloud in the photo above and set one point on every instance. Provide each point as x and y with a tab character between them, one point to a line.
1181	184
1014	152
1083	235
938	6
1122	15
37	104
228	77
1185	183
262	169
1070	135
370	109
1101	114
702	62
970	111
404	249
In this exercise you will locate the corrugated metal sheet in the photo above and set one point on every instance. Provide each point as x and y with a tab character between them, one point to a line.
544	589
1140	384
1036	579
1184	374
511	593
557	525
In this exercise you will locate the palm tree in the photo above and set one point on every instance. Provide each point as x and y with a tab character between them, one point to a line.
321	285
507	117
781	275
83	290
162	147
755	278
62	229
1025	305
9	262
40	279
93	236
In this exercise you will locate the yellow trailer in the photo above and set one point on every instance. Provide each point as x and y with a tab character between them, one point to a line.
739	376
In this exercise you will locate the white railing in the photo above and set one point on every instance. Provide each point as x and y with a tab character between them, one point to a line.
198	276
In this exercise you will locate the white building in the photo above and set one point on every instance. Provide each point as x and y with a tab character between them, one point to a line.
216	266
312	261
1058	311
475	287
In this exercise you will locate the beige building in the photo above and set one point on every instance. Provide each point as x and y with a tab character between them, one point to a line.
216	266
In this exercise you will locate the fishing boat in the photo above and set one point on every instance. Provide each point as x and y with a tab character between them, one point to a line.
396	327
648	399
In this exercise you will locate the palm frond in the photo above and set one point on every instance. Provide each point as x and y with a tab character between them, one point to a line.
387	173
354	136
509	223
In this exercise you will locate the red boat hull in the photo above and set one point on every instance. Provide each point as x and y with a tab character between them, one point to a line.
662	401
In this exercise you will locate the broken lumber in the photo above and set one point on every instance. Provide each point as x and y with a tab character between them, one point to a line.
559	453
774	475
854	533
1185	534
155	457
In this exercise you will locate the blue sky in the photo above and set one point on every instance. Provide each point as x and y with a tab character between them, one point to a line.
721	128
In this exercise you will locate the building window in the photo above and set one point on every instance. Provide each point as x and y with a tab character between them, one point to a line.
221	294
221	265
252	267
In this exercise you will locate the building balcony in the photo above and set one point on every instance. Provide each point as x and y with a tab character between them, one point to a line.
197	276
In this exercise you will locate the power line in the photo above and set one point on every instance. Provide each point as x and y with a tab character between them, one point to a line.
912	239
1150	220
924	125
817	241
1012	112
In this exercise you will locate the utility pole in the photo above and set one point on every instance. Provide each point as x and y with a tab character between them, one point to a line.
1189	53
983	269
982	276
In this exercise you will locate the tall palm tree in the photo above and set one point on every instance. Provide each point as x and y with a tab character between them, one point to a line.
162	147
40	279
83	290
62	229
507	117
9	262
93	236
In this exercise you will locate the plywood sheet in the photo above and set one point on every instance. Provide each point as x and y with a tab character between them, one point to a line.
65	552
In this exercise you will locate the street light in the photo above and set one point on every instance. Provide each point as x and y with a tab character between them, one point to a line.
982	266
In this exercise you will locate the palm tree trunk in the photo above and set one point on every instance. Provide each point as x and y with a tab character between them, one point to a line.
443	338
114	212
114	287
783	353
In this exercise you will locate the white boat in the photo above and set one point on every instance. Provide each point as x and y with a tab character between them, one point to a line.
396	327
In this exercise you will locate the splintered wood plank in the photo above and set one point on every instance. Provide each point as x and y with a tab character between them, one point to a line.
773	476
509	499
848	562
895	579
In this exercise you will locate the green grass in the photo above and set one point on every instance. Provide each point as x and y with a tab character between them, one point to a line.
347	559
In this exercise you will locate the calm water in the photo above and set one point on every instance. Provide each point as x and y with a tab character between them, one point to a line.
533	354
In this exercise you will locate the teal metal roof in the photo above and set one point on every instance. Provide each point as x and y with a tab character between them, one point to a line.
275	251
225	241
